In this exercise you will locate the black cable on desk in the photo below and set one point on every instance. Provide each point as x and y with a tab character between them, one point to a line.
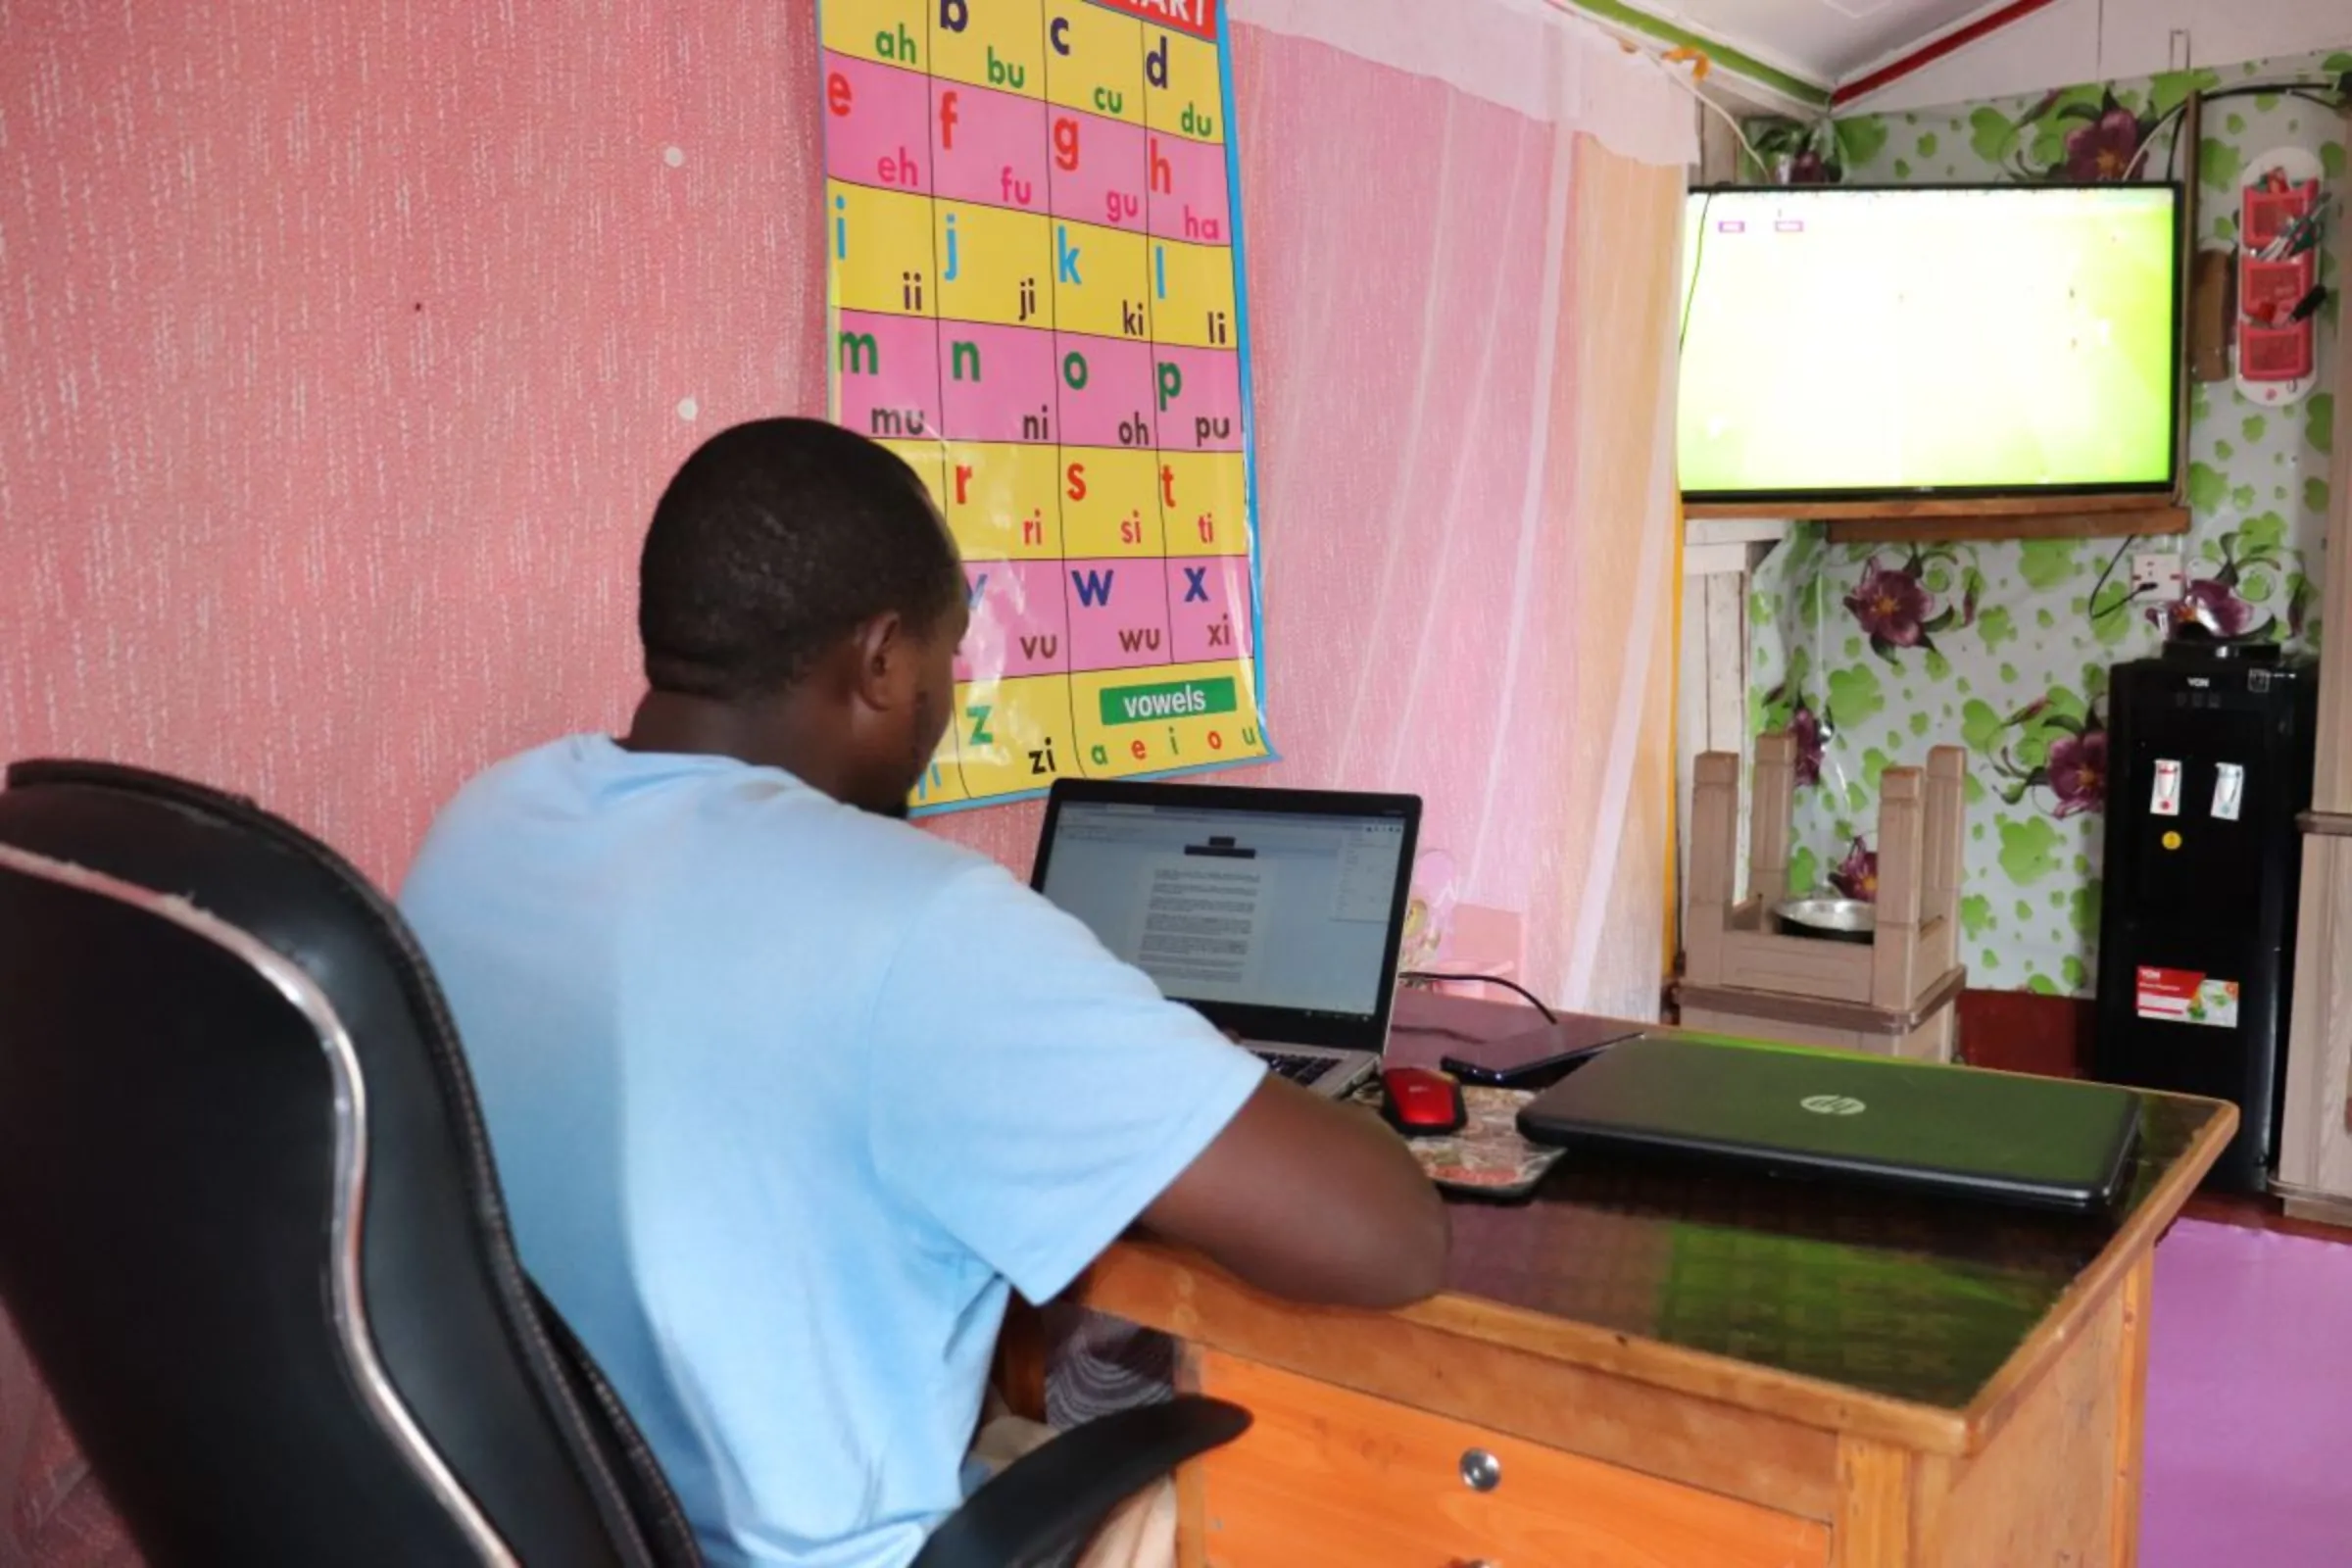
1429	977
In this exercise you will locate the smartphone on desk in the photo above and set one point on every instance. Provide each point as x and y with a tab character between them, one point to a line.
1541	1073
1539	1058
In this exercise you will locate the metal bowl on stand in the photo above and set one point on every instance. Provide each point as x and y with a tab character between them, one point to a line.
1829	920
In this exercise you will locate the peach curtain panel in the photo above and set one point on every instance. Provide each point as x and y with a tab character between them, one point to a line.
1627	228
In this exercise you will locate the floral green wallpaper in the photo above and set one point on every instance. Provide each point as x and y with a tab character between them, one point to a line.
1874	654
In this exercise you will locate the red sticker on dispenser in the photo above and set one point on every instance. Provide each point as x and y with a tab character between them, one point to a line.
2183	996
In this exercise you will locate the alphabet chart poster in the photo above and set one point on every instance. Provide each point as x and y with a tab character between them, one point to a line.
1035	284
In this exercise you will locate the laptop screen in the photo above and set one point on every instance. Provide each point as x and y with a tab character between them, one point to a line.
1271	909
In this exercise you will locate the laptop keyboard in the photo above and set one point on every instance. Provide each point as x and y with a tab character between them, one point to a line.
1297	1069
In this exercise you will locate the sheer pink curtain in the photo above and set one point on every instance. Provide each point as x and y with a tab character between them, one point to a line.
1461	251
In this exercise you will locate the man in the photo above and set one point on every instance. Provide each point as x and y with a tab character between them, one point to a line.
786	1095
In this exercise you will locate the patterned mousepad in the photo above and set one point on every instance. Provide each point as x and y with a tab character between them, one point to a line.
1487	1158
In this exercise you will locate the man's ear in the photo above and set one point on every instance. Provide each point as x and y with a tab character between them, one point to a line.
885	670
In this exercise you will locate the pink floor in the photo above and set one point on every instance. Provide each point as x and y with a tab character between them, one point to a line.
2249	1401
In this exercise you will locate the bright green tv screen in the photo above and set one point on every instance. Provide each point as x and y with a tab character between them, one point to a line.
1849	343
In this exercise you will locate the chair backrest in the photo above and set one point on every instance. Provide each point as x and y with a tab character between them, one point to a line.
249	1226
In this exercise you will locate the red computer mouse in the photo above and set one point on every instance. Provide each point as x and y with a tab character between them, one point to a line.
1422	1103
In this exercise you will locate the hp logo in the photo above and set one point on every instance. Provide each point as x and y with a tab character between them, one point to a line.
1833	1106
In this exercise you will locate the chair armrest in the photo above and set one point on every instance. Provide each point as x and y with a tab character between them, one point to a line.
1053	1500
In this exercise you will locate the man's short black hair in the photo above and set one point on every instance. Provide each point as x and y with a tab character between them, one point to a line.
777	539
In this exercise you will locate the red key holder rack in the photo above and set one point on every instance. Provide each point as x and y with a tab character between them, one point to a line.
2273	347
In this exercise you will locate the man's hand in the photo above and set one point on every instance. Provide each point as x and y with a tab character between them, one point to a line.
1311	1200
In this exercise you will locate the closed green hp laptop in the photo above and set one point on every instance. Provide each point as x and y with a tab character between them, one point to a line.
2044	1143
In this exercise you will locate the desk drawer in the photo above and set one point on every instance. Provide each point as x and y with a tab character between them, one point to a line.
1327	1476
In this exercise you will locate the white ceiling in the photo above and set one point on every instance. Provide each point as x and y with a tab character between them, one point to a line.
1834	44
1823	41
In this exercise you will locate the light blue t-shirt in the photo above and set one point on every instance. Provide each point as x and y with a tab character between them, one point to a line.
782	1095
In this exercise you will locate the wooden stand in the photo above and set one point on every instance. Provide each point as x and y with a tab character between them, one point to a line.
1741	976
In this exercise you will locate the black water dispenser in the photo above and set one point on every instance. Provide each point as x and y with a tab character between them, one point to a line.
2209	764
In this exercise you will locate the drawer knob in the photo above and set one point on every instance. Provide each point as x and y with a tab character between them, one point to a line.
1481	1470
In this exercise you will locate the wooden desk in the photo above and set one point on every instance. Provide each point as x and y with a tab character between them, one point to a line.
1681	1369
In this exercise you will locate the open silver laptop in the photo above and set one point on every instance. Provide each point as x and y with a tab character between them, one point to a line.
1275	913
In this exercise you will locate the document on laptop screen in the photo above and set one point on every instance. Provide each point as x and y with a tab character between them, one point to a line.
1200	923
1258	909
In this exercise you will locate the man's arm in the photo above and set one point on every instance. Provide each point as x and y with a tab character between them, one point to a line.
1072	1101
1311	1200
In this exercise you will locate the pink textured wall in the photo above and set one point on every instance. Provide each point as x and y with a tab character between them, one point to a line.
348	346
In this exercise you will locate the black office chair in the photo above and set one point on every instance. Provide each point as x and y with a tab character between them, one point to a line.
250	1231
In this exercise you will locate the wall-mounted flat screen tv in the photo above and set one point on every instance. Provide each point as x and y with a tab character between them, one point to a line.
1845	343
